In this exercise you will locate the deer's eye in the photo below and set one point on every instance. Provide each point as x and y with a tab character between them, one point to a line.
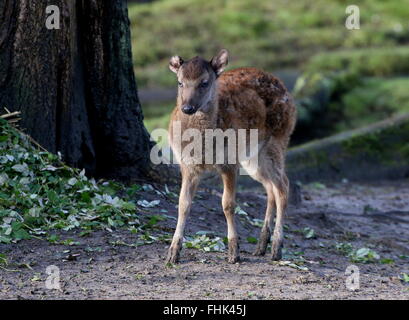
180	84
204	83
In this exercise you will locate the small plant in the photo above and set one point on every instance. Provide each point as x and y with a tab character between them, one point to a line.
202	241
244	216
293	259
364	255
344	248
405	277
309	233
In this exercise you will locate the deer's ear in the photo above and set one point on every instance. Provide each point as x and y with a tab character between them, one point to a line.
175	63
220	61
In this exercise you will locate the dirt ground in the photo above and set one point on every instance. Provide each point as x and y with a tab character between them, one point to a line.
107	265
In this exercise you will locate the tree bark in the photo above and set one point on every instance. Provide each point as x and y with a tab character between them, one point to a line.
75	85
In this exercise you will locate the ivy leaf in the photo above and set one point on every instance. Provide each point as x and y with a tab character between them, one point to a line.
22	168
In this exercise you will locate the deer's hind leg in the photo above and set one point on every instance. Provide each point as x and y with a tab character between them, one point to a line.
270	173
280	189
265	233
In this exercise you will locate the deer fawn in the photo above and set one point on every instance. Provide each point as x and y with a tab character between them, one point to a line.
243	98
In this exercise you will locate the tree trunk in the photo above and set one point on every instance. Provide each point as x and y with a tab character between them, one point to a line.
75	85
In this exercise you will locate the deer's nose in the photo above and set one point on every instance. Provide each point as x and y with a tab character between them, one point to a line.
188	109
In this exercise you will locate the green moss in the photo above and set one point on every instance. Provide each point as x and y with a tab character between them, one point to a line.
389	146
368	144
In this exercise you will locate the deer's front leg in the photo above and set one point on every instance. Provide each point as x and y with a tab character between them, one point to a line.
229	204
187	191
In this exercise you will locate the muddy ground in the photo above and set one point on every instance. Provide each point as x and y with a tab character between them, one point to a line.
107	265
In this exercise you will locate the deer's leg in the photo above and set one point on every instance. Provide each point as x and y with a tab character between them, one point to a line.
280	189
187	191
265	233
229	204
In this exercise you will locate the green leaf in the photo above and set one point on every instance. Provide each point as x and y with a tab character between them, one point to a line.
21	234
3	259
252	240
72	181
387	261
86	197
130	206
111	222
53	238
52	196
309	233
147	204
22	168
364	255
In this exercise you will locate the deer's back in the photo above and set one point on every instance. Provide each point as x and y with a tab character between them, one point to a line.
251	98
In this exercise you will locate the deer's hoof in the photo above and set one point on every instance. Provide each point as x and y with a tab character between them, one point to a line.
260	251
233	259
233	251
262	243
276	254
173	256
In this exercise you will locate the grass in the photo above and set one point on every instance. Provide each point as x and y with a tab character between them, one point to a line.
267	34
348	78
367	62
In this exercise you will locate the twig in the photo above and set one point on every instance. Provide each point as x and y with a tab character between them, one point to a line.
9	270
10	115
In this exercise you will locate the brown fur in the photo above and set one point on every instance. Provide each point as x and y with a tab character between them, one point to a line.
244	98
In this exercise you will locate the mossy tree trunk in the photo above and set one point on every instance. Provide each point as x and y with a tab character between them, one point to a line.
75	85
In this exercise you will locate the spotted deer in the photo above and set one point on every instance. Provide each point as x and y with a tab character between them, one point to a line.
243	98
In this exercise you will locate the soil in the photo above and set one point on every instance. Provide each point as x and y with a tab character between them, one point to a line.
106	265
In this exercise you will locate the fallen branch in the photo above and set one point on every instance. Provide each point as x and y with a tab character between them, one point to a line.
11	117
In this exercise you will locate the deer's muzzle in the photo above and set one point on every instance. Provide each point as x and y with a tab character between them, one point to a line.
189	109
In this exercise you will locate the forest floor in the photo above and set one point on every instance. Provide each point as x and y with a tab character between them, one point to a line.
322	236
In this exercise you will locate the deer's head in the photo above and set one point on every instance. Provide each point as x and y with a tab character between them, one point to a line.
197	80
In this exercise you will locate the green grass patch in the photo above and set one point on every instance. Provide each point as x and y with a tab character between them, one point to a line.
267	34
367	62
